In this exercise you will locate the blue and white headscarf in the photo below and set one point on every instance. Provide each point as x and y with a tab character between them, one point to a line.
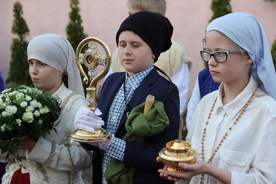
247	32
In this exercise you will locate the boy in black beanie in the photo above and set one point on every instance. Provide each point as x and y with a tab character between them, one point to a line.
140	39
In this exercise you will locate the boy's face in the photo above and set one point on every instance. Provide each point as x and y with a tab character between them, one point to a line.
134	53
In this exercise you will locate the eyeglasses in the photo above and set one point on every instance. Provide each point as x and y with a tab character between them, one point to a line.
220	56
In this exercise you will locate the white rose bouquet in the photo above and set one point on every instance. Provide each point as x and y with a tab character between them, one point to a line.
25	112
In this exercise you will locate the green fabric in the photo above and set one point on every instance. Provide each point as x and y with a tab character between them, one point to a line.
138	128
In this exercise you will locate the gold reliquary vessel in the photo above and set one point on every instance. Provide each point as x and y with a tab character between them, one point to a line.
177	151
96	61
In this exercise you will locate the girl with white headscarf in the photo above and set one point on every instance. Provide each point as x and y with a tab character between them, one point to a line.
53	159
234	128
55	51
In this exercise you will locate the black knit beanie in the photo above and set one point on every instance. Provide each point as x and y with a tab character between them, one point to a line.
155	29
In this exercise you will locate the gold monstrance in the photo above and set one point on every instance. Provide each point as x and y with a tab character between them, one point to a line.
91	59
177	151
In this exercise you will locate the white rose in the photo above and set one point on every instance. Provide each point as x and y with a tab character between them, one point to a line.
3	105
11	109
19	97
29	109
28	98
39	105
33	103
28	117
23	104
4	114
18	121
3	128
44	110
36	113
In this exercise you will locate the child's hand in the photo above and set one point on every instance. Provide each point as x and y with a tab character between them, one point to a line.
87	120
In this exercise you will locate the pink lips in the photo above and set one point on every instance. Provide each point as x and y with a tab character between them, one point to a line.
127	61
35	80
213	72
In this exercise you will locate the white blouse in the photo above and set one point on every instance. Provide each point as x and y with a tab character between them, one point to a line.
249	150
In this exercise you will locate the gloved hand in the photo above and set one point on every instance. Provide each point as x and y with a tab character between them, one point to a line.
104	144
87	120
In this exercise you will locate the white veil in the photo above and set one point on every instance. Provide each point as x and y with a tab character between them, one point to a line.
56	51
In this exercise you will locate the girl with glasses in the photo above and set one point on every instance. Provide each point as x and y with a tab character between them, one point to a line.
234	128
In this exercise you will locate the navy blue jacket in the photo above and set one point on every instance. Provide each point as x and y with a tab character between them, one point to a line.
142	155
2	84
206	83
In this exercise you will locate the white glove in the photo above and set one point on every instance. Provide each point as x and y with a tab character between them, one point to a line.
87	120
104	144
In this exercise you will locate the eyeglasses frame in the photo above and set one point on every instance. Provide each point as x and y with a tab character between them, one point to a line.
228	52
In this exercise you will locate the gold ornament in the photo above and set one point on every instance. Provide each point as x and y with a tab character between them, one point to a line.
92	59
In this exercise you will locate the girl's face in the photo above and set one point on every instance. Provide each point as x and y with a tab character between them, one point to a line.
236	68
135	54
44	76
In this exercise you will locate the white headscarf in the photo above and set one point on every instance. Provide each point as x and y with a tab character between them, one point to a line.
56	51
246	31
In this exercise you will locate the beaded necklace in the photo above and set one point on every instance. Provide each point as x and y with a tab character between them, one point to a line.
225	135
